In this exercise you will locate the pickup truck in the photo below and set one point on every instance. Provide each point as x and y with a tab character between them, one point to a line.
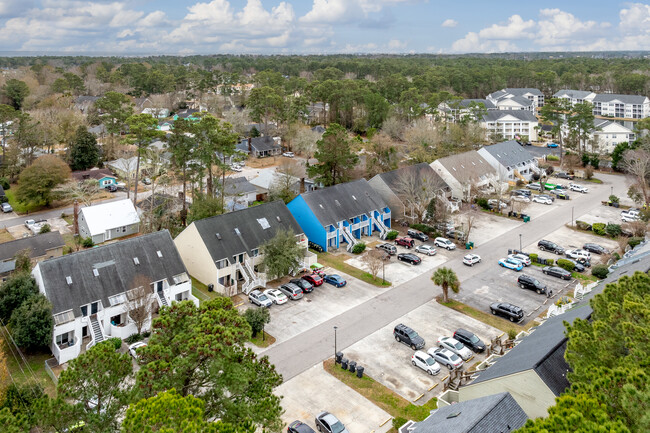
630	215
34	226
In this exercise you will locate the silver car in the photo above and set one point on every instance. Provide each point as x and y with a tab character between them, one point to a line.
521	257
455	346
328	423
446	357
258	298
426	249
292	291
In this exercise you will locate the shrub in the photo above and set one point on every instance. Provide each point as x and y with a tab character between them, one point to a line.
4	183
550	262
581	225
391	235
535	176
358	248
599	228
613	198
424	228
87	242
565	264
533	257
589	172
512	334
116	342
585	159
613	230
483	203
633	242
616	256
594	161
315	247
552	158
67	249
45	229
133	338
600	271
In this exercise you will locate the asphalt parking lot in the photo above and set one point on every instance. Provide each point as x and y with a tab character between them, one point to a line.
389	362
315	390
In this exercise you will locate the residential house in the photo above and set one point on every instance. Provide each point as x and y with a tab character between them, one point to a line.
223	251
90	290
607	134
341	213
110	220
621	106
316	112
158	113
103	176
459	109
260	147
517	99
465	173
269	178
99	130
165	125
320	129
510	125
160	202
239	193
575	96
125	167
6	269
490	414
40	247
511	160
394	187
188	114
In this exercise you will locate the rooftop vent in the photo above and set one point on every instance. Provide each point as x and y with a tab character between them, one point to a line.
354	198
263	222
136	261
278	218
321	206
68	280
453	415
337	202
218	236
237	232
96	272
159	254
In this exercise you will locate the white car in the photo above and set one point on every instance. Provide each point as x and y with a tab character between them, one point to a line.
471	259
444	243
426	249
236	168
630	215
578	188
543	200
288	154
493	202
276	296
425	362
455	346
446	357
578	255
521	198
523	258
133	349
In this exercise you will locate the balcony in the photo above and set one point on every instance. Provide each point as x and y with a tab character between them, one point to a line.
123	330
65	352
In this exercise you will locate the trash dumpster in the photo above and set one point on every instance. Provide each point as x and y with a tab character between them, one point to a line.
352	365
469	245
339	357
344	363
359	371
526	218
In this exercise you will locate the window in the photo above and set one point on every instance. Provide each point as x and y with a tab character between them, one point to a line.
264	223
256	252
159	254
222	263
84	311
116	299
65	339
65	317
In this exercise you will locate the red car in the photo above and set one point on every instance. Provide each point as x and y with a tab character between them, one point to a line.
314	279
405	242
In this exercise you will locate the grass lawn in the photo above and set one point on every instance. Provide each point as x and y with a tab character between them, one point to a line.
384	398
593	180
5	236
486	318
263	342
200	291
22	375
337	261
19	208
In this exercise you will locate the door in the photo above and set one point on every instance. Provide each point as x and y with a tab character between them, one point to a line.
159	286
84	332
107	235
94	307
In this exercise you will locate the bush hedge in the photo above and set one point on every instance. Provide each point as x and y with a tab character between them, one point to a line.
613	230
358	248
87	243
391	235
533	257
424	228
4	183
552	158
600	271
565	264
549	262
599	228
583	225
633	242
483	203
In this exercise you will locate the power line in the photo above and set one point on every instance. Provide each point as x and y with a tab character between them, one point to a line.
22	357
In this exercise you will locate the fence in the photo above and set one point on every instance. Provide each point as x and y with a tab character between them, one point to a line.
49	364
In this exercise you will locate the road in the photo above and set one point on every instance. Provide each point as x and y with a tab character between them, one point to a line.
317	344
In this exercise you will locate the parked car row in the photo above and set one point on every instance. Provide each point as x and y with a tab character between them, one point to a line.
294	289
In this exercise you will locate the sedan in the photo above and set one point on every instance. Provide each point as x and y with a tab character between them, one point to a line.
409	258
523	258
534	186
471	259
305	285
560	194
424	361
557	271
521	198
133	349
513	264
552	145
111	188
6	208
595	248
578	188
548	196
313	279
288	154
444	243
426	249
276	296
335	280
542	200
299	427
328	423
492	203
446	357
455	346
258	298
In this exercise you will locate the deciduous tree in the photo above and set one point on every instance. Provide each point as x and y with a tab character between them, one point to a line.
637	163
139	302
416	190
36	182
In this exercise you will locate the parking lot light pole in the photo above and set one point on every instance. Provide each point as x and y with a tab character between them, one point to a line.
519	242
335	328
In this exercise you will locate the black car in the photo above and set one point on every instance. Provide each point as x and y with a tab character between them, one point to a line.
531	283
299	427
305	285
595	248
525	192
111	188
577	266
564	175
417	235
509	311
557	271
409	258
545	245
470	340
406	335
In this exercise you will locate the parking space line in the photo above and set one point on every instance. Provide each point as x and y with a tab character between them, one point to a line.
434	385
384	423
421	395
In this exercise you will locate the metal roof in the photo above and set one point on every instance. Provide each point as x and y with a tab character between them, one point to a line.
626	99
105	216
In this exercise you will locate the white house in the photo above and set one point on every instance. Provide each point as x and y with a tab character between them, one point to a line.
575	96
511	160
621	106
517	99
607	134
464	172
240	193
108	221
92	291
459	109
510	125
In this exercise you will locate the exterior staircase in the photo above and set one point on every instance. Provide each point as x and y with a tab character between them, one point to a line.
348	238
251	279
383	230
98	333
162	300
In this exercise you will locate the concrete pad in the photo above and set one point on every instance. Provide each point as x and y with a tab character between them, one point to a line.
572	239
19	232
389	362
487	226
315	390
602	214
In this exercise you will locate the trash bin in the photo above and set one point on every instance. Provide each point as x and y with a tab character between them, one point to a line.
352	365
359	371
526	218
344	363
339	357
469	245
210	287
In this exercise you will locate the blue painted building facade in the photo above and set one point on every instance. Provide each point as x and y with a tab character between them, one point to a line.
341	214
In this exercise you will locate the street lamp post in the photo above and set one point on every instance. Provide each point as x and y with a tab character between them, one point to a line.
519	242
611	190
335	328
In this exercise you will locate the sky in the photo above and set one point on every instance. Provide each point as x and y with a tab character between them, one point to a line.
137	27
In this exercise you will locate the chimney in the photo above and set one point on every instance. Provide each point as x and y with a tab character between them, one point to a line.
75	217
302	185
250	146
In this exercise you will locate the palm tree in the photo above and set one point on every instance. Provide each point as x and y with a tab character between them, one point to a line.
446	278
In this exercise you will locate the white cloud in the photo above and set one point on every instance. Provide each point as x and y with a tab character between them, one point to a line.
635	18
337	11
472	43
396	45
516	28
559	28
449	23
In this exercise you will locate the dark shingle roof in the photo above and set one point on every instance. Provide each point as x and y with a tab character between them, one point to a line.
98	173
490	414
391	178
259	144
38	245
341	202
238	186
116	268
626	99
468	102
509	153
249	224
495	115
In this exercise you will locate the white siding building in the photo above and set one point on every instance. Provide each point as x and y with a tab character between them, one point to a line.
108	221
510	125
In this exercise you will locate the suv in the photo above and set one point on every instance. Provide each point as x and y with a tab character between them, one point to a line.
406	335
531	283
545	245
292	291
470	340
509	311
444	243
563	175
417	235
6	207
405	242
388	248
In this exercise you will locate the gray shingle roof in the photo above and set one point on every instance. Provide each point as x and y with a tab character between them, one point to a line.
468	102
509	153
626	99
259	144
116	268
467	166
248	222
38	245
490	414
344	201
97	174
524	115
521	91
391	178
577	94
238	186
